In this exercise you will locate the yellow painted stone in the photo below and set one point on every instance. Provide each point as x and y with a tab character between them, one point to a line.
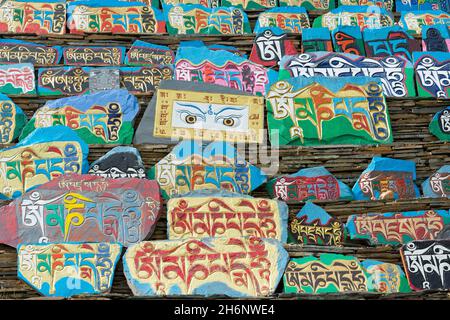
237	267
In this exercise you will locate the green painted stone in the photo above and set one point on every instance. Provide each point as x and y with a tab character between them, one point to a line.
12	120
385	277
440	125
331	273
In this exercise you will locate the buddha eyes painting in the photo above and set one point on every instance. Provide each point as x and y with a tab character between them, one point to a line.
206	115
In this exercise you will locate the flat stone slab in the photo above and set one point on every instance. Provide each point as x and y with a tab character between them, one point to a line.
191	166
44	155
12	120
395	228
119	162
440	125
432	69
68	269
309	184
235	267
331	273
438	184
203	214
314	226
83	208
17	79
385	277
387	179
17	51
104	117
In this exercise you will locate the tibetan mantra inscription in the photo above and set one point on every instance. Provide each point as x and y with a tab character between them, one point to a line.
143	53
33	17
17	79
440	125
224	214
331	273
12	120
190	166
385	277
313	225
427	264
348	39
399	227
414	21
287	19
16	51
395	73
309	184
315	39
82	208
438	184
93	56
322	110
235	267
68	269
208	116
432	74
44	155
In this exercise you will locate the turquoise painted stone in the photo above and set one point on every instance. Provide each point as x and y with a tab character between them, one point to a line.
105	117
119	162
438	184
190	166
387	178
12	120
68	269
396	228
309	184
44	155
440	125
385	277
235	267
313	225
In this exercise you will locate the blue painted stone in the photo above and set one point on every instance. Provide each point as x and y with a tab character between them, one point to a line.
440	125
289	19
315	183
119	162
104	117
387	178
12	120
190	166
44	155
68	269
235	267
385	277
145	53
438	184
313	225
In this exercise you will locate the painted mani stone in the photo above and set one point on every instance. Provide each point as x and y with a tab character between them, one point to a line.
93	56
387	179
440	125
204	3
68	269
119	162
426	264
385	277
249	5
397	227
395	73
228	20
422	5
438	184
235	267
288	19
196	114
116	17
310	5
362	16
65	81
12	120
223	68
190	167
33	17
314	226
143	53
204	214
17	79
386	4
331	273
309	184
436	38
432	74
354	111
44	155
390	41
414	21
17	51
315	39
348	39
105	117
144	80
270	46
82	208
